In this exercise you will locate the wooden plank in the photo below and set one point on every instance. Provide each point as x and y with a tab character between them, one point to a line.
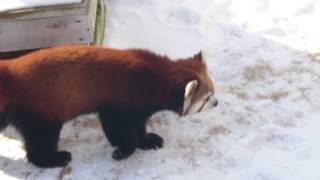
100	23
92	14
43	27
21	35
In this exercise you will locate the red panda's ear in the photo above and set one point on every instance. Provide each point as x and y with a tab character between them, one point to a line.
200	56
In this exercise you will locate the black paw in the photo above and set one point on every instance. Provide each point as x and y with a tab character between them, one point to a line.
151	141
120	154
62	158
59	159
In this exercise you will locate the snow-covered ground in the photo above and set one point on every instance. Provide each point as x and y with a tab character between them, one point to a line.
264	57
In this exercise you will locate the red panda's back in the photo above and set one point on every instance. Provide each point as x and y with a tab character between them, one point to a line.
62	83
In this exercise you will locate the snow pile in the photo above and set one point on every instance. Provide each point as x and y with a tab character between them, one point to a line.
21	4
264	59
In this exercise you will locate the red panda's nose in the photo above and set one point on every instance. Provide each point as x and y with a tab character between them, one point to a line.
214	102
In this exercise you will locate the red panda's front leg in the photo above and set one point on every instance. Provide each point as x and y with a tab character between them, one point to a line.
126	130
120	131
41	140
147	140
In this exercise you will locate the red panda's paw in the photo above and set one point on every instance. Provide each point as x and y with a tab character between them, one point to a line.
120	154
60	159
151	141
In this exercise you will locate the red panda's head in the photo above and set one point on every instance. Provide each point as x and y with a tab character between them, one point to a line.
200	91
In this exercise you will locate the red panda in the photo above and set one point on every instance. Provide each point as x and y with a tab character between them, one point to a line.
42	90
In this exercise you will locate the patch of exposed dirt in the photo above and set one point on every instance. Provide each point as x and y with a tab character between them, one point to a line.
219	130
275	96
257	72
90	124
315	57
239	92
64	173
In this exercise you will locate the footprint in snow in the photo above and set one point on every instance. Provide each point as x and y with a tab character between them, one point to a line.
181	17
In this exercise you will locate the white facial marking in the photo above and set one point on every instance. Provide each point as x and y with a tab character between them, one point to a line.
188	95
199	104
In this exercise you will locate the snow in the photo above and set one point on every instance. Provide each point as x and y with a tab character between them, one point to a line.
20	4
264	58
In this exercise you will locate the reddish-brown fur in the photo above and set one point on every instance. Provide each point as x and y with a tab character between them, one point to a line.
61	83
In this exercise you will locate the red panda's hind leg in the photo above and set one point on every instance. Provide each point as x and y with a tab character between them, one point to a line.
41	140
4	121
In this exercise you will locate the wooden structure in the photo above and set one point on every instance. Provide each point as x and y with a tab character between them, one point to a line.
41	27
